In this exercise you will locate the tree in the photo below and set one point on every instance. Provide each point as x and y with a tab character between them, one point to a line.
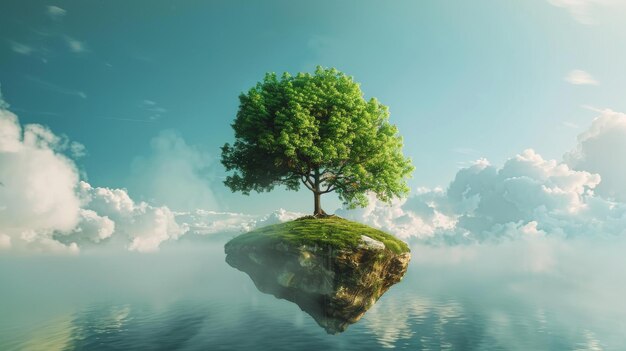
315	130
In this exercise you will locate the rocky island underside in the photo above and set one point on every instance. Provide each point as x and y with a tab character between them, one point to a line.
332	268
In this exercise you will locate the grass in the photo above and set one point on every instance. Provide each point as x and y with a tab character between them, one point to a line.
335	231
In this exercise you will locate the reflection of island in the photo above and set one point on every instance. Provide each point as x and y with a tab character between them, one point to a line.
333	269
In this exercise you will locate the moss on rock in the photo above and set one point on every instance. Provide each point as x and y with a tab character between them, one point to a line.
332	231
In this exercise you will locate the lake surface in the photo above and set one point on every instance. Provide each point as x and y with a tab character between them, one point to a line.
520	296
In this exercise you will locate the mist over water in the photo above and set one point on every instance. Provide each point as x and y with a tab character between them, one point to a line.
539	293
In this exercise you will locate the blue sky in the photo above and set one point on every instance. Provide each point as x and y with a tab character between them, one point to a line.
146	84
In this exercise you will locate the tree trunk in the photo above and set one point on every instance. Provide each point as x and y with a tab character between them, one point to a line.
317	211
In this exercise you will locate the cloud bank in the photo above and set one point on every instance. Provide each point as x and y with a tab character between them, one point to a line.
46	207
583	195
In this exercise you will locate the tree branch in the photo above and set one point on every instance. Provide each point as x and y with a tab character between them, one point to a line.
331	187
310	181
305	182
335	174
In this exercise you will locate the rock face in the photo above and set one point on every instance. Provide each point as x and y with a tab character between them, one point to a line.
335	285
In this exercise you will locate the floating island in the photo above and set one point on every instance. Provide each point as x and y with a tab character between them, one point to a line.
332	268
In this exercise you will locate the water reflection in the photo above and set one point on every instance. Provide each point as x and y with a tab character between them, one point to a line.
53	335
123	328
404	321
181	326
212	307
412	320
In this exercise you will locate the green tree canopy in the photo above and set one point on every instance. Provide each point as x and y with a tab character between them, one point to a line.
315	130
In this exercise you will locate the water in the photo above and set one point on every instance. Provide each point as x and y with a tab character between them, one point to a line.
516	297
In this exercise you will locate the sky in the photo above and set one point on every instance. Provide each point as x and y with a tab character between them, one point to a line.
134	100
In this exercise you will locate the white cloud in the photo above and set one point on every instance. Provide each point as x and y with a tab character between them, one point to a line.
405	217
75	45
56	12
22	49
600	150
56	88
3	104
278	216
153	108
581	10
37	194
145	226
77	149
45	207
175	174
46	35
579	77
527	196
204	222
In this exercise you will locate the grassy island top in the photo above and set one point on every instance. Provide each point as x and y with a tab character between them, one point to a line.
332	230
